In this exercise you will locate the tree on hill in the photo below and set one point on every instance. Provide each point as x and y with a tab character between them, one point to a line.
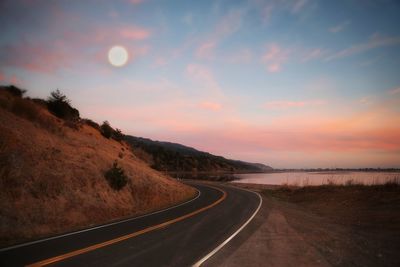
59	105
106	129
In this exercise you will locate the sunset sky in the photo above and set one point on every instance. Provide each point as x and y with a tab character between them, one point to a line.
287	83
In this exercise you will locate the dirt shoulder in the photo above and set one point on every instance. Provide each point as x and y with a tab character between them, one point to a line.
319	226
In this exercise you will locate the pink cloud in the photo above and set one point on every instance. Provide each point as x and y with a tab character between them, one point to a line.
10	79
135	2
206	50
210	105
226	26
395	91
134	33
160	61
204	76
37	56
292	104
48	57
275	57
375	41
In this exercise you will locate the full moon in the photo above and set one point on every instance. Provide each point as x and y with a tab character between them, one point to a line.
118	56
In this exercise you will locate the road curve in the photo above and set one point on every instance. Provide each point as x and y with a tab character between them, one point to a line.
181	236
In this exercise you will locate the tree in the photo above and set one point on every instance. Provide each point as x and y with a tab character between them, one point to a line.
106	130
118	135
59	105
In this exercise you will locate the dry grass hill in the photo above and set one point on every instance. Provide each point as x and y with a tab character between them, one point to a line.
52	174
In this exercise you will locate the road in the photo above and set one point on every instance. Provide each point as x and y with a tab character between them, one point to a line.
180	236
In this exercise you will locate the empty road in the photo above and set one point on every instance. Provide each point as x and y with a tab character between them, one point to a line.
180	236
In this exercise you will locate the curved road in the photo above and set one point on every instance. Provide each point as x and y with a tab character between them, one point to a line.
180	236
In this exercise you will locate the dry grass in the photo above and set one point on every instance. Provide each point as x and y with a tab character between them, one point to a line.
350	225
52	176
352	204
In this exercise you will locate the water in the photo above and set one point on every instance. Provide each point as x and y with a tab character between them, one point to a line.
318	178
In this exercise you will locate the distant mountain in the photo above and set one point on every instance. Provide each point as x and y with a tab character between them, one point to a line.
173	157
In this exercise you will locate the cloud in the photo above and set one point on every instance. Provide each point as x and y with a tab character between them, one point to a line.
266	13
134	33
375	41
135	2
160	61
395	91
313	54
203	75
275	57
366	100
39	57
206	50
208	105
10	79
339	27
229	24
86	48
226	26
292	104
298	5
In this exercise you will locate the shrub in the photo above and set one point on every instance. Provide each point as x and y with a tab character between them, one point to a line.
59	105
116	177
91	123
106	130
118	135
15	91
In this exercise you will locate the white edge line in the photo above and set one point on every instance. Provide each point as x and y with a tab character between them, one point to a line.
209	255
98	227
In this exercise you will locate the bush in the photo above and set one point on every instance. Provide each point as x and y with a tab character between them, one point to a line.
116	177
91	123
118	135
59	105
106	130
15	91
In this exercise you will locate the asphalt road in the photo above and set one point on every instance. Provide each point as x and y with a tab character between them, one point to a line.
182	235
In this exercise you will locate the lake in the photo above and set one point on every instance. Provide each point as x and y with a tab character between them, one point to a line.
317	178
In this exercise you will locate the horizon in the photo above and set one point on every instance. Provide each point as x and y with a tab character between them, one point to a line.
290	84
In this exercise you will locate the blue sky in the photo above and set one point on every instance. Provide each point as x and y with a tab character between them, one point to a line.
301	83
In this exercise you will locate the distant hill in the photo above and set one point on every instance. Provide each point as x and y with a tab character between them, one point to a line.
172	157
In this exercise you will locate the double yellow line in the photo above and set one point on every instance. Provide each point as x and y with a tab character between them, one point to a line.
125	237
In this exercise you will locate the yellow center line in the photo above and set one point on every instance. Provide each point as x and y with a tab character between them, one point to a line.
125	237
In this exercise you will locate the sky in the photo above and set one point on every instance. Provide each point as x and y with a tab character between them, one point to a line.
287	83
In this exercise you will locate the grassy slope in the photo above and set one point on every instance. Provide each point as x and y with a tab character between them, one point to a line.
52	176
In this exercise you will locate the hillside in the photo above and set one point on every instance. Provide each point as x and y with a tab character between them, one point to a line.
52	174
172	157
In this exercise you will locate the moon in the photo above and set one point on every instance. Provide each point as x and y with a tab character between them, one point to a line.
118	56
